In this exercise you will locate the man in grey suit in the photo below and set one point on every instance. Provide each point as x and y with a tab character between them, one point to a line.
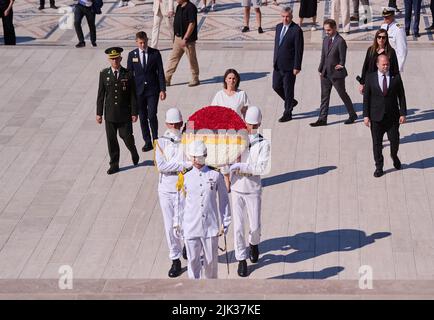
332	73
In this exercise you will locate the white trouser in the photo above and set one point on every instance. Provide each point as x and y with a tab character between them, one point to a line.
242	202
209	248
167	204
341	7
156	28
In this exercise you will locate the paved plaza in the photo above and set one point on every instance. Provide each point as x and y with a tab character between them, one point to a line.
324	214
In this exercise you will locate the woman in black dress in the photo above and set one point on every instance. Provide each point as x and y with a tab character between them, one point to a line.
308	10
381	45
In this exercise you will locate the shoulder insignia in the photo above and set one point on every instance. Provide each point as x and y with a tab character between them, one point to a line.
398	25
214	168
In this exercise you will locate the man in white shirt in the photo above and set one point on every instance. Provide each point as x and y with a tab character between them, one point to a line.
169	160
246	191
397	37
202	220
163	10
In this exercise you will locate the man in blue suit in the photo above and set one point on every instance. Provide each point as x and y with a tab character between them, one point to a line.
288	55
147	66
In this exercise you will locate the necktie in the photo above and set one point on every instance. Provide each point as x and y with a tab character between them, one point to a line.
142	53
384	85
330	43
282	34
116	74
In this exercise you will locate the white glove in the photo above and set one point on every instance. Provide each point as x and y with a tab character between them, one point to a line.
177	231
188	165
238	166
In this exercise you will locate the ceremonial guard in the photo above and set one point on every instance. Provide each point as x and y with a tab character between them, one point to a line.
117	101
170	161
202	220
246	191
397	36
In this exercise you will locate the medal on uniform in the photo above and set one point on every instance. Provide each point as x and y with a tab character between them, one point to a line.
136	59
124	85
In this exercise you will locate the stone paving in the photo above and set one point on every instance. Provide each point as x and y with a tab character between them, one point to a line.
324	215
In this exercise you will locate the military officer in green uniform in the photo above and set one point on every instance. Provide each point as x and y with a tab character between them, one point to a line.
117	101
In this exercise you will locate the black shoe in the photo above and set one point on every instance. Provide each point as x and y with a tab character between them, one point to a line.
397	163
184	253
407	33
294	103
417	35
147	147
285	118
93	44
318	123
430	28
245	29
41	8
113	169
54	7
242	268
135	157
254	253
80	45
260	30
351	119
378	173
175	270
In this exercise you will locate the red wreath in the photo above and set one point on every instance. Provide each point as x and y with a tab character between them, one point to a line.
215	118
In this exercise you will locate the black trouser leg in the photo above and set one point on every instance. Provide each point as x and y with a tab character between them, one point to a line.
126	133
377	132
326	88
111	129
283	85
52	3
90	17
392	3
393	136
339	85
42	3
278	84
431	7
78	17
143	117
8	27
152	102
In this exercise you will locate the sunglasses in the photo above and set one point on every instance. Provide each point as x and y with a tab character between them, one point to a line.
382	37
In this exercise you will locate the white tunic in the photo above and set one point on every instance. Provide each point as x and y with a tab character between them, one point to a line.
255	161
398	41
201	218
169	158
236	101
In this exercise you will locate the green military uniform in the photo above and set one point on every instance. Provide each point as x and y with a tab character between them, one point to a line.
117	101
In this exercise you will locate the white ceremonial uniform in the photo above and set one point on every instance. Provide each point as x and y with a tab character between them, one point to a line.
161	9
398	41
201	219
246	192
169	158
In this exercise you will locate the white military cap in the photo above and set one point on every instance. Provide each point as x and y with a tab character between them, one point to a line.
173	115
253	115
197	148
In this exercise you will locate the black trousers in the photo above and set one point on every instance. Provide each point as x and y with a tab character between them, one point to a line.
326	88
431	7
79	12
378	129
283	84
42	3
147	107
8	26
126	133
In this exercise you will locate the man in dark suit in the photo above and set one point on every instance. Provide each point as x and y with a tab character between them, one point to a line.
333	73
117	100
288	55
147	67
384	109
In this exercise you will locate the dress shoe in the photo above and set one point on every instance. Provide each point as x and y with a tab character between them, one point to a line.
175	270
93	44
285	118
147	147
397	163
242	268
378	173
184	253
80	45
254	253
194	83
318	123
135	157
417	35
260	30
245	29
430	28
113	169
407	33
54	7
41	8
294	103
351	119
